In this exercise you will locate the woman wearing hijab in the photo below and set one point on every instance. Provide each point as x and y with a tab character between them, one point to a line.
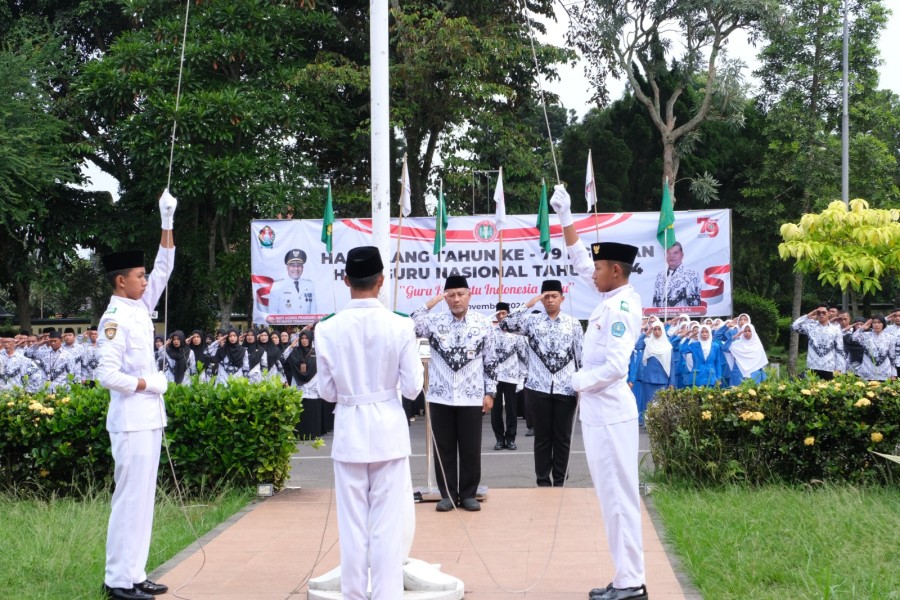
877	362
197	346
655	369
255	356
177	360
269	344
749	356
300	366
707	359
230	356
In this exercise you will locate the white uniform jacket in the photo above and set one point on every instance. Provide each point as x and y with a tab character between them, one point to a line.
612	331
365	352
127	354
292	297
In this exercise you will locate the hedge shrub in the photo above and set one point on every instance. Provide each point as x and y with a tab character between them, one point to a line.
778	431
241	434
763	314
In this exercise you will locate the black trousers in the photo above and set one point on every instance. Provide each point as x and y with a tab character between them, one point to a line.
553	416
824	375
457	434
504	403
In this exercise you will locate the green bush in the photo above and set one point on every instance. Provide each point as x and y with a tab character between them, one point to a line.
779	431
239	434
763	314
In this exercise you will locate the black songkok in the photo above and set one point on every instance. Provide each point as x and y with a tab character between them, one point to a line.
455	281
119	261
551	285
614	251
364	261
502	306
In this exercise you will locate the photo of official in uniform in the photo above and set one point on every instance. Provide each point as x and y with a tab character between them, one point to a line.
293	295
684	284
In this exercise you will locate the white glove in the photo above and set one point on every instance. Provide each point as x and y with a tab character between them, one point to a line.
156	383
167	204
562	204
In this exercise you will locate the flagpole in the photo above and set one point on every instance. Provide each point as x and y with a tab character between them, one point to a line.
333	294
500	285
440	224
399	237
665	251
593	186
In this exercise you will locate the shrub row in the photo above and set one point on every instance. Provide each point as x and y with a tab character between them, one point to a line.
240	434
778	431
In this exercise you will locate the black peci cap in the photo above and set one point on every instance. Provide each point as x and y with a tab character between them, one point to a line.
119	261
364	261
614	251
502	306
456	281
551	285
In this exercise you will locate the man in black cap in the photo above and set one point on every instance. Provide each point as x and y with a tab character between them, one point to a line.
554	346
371	437
461	388
609	415
511	358
60	366
137	412
294	295
71	346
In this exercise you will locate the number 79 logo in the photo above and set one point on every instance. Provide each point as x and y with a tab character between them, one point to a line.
708	227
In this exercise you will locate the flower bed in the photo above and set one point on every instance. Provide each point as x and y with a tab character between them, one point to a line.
778	431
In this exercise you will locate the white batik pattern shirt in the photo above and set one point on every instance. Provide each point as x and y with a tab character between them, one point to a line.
511	357
90	361
826	344
57	366
877	362
683	288
462	366
554	345
19	371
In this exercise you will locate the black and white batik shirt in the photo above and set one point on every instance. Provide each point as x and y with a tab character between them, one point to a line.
462	369
826	344
511	357
683	288
554	345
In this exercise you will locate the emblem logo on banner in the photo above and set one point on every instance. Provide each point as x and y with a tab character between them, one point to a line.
266	237
485	231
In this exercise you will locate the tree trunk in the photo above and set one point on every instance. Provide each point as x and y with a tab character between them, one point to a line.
23	304
794	347
225	306
670	165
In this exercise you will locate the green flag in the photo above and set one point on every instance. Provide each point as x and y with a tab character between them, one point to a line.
440	223
665	231
328	221
543	219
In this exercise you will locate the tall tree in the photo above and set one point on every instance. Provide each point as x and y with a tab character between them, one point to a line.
801	75
456	63
616	35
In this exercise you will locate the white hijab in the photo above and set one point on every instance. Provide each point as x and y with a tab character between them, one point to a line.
749	355
705	345
658	347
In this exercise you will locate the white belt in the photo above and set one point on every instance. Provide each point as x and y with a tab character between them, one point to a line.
367	398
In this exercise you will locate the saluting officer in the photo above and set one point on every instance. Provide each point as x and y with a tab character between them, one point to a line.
609	416
294	295
371	436
137	412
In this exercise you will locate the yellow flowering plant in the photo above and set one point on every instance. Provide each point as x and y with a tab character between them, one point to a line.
777	431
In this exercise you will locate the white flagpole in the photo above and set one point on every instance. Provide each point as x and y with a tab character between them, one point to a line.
665	251
403	184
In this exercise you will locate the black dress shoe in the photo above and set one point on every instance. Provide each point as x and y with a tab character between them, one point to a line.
530	432
632	593
154	589
125	593
499	446
599	591
471	504
444	505
511	446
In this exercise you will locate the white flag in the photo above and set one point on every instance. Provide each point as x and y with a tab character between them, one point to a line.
500	199
590	185
405	196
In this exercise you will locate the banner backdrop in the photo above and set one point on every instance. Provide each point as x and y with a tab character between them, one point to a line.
700	286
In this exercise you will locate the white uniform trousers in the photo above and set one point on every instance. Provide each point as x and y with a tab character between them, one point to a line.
612	456
136	455
370	512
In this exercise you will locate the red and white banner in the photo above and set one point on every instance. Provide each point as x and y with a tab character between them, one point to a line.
473	251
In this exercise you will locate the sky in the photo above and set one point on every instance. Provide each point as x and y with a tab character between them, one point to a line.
575	93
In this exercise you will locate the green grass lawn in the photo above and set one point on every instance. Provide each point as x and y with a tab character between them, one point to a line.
833	542
55	549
